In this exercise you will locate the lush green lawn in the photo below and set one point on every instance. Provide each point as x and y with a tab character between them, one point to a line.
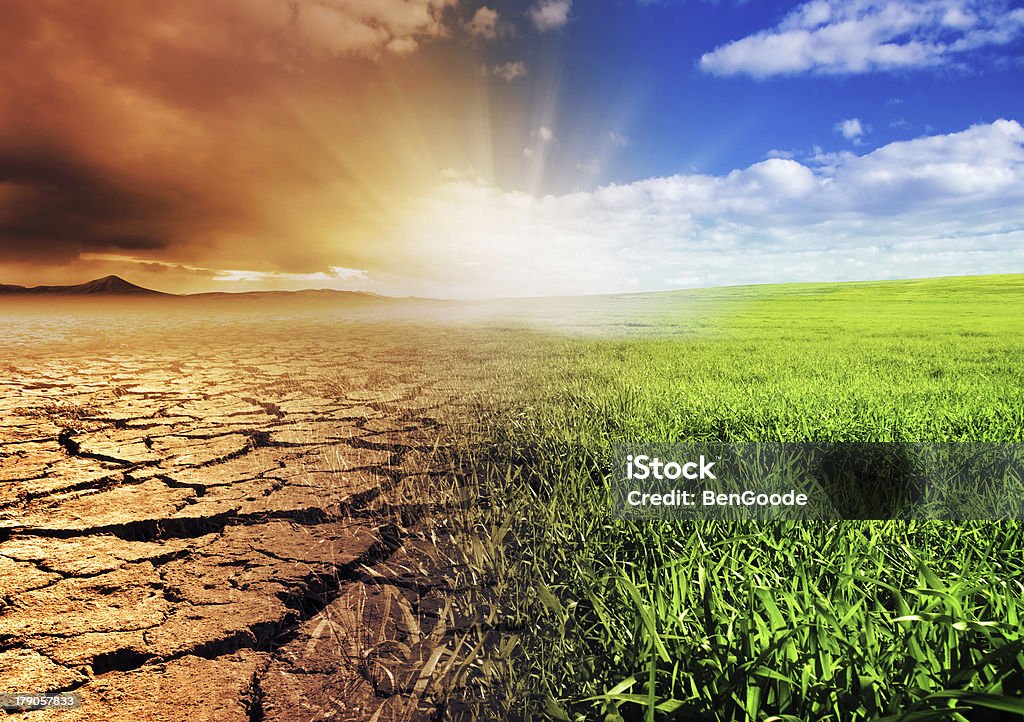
742	621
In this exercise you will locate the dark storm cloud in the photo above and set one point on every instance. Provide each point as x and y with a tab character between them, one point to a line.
237	134
59	206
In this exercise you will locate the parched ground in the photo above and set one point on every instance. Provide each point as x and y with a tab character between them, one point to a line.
221	520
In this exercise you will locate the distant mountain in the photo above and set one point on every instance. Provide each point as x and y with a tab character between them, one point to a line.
117	286
106	286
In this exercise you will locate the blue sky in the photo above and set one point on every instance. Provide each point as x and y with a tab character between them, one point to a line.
679	144
635	69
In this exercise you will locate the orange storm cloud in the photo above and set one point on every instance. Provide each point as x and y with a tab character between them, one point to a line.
191	140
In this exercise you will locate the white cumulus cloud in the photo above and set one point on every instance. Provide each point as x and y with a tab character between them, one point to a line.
851	129
550	14
484	23
859	36
936	205
509	71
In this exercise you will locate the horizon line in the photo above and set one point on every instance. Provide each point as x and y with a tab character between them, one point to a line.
142	291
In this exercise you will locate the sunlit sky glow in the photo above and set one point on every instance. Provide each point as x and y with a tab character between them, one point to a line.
458	148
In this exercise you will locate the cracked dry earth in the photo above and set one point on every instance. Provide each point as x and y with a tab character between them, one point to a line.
217	521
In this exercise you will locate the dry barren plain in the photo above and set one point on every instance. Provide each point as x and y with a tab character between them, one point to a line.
216	514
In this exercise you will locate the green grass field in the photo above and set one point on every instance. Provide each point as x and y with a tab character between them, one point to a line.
714	620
